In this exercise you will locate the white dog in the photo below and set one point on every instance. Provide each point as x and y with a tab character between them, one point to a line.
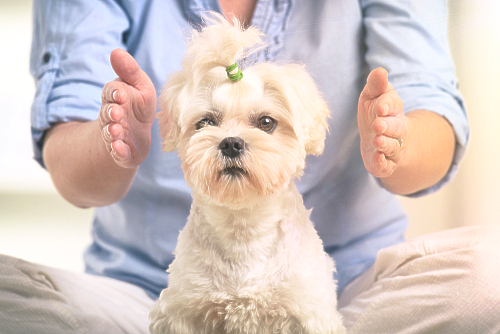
249	260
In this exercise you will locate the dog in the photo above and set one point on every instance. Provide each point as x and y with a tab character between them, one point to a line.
249	259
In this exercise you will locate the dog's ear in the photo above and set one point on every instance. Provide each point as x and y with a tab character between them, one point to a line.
315	134
309	110
171	105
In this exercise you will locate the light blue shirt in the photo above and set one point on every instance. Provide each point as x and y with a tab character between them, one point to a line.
339	41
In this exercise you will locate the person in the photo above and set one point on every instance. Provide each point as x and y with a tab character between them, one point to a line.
398	126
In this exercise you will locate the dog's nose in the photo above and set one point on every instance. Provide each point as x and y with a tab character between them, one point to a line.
232	146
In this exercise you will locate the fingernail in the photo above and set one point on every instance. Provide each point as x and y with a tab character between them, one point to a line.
109	113
107	130
116	95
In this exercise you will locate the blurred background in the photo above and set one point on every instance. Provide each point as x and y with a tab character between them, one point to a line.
36	224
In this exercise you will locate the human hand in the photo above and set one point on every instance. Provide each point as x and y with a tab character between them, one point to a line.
127	111
381	123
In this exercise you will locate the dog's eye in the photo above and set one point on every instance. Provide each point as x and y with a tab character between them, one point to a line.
205	122
266	124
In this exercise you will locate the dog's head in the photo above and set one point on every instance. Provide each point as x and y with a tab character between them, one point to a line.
239	141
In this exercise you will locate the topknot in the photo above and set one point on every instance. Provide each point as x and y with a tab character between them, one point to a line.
219	44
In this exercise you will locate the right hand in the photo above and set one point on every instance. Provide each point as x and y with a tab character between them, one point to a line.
127	111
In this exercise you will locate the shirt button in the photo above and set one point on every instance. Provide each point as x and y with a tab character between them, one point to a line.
46	57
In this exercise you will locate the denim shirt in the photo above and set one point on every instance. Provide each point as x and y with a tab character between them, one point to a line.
339	41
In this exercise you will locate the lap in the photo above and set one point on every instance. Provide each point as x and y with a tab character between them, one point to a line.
38	299
441	283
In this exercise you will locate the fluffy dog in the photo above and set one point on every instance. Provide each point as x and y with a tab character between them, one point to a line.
249	259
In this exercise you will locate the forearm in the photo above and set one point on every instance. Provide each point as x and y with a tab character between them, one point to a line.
426	154
81	168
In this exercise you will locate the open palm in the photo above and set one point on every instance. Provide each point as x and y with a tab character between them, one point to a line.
127	111
382	125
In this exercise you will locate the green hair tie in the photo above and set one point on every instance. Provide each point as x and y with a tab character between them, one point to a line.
234	73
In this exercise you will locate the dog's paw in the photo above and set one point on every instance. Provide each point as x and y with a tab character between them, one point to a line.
321	323
163	321
171	325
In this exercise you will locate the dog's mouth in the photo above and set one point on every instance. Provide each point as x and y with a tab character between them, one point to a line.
233	168
233	171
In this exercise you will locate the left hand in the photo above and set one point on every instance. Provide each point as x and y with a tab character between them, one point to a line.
381	123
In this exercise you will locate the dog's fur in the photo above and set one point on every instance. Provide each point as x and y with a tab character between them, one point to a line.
249	259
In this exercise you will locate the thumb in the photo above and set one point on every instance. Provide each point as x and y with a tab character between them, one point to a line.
128	70
377	83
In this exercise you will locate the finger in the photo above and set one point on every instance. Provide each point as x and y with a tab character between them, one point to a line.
111	96
115	113
112	132
382	167
110	113
388	104
128	70
115	131
105	115
113	92
120	152
390	147
379	125
376	83
106	137
389	126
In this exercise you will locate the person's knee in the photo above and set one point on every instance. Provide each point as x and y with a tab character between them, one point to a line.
443	283
477	293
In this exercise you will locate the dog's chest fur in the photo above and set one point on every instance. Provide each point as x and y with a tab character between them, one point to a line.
246	247
249	271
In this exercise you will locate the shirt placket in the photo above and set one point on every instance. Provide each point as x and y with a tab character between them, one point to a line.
270	16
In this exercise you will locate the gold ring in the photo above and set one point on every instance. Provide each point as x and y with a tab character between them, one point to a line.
400	142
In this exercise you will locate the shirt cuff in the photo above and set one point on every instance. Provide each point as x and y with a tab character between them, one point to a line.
67	107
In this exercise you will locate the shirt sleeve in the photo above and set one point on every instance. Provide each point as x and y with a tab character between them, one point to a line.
409	40
72	41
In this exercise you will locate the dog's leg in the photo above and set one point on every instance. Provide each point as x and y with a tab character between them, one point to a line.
176	313
312	307
164	323
324	320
